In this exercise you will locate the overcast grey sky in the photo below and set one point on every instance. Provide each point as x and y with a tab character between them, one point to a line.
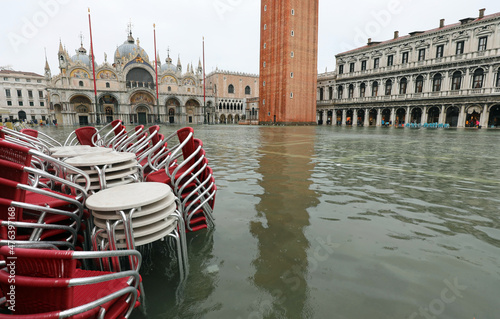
230	28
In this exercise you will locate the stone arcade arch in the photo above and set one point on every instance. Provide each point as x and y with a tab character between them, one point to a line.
173	107
416	115
433	114
473	116
452	114
494	118
400	116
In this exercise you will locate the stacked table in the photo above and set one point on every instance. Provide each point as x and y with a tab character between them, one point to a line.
107	169
138	214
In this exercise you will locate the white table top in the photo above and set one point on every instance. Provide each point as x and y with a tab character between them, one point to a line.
128	196
81	151
67	148
100	158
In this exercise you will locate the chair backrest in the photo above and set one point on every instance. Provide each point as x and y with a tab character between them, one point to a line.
42	279
11	154
29	131
85	135
186	135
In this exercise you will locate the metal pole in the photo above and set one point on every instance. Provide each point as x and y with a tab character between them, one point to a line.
156	73
204	86
98	113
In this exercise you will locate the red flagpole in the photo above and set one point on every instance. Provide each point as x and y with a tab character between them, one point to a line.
156	74
98	115
204	85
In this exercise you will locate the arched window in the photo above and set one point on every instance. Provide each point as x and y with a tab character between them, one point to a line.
80	83
107	85
248	91
388	87
362	90
497	84
456	81
321	94
436	82
478	79
351	91
220	106
419	84
403	84
169	89
340	91
330	93
230	89
375	88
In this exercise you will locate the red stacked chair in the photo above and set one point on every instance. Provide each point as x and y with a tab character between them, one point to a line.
51	213
48	284
191	179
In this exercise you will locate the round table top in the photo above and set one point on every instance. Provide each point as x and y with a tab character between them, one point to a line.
81	151
100	159
128	196
67	148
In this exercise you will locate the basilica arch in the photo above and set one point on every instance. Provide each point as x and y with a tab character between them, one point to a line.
142	106
83	108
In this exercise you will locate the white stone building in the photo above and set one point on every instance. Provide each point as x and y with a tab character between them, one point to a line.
24	96
126	89
448	75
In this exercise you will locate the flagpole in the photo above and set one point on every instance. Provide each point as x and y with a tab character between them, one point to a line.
204	85
98	113
156	74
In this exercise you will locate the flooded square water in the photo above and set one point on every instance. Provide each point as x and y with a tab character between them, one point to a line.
339	222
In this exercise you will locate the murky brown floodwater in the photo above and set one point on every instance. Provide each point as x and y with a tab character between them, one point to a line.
329	222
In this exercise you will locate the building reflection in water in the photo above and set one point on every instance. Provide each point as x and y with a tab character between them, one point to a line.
282	217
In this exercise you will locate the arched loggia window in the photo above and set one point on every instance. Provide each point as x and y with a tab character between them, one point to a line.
230	89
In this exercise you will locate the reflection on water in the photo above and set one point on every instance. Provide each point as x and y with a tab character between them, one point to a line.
404	213
281	263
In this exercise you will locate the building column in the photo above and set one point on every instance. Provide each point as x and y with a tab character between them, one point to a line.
407	115
462	117
344	116
442	115
379	117
393	116
423	118
355	117
367	117
485	114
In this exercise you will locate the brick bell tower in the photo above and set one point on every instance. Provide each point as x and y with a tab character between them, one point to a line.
288	62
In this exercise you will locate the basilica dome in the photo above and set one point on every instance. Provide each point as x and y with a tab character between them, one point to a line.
81	55
169	67
129	49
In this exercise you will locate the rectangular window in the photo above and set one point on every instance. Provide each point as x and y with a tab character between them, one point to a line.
40	94
19	93
28	80
483	41
17	79
9	103
460	47
341	69
404	58
421	55
7	92
42	103
439	51
5	79
30	94
351	67
38	81
456	82
363	65
376	63
32	104
390	60
20	103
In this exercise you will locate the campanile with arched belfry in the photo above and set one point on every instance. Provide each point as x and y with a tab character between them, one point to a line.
288	61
